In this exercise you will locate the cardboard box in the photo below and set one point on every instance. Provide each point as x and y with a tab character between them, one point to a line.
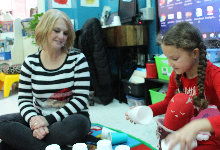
6	26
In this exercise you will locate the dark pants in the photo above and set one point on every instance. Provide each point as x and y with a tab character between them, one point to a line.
15	132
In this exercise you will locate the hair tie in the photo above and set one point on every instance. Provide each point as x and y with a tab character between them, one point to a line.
201	96
180	88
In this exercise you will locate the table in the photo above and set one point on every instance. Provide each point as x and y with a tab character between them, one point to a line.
125	36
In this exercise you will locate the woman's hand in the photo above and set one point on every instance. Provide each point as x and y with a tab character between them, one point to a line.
41	132
37	122
126	114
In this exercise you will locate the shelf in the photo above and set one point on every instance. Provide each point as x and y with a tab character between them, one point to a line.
126	35
119	37
6	34
157	80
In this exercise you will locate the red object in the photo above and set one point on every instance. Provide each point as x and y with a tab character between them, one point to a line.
179	111
61	1
141	147
151	70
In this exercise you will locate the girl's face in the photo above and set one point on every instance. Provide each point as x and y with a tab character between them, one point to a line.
58	36
181	60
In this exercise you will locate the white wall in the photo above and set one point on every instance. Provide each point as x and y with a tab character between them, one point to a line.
41	6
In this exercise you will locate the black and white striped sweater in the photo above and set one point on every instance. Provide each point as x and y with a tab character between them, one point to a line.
56	93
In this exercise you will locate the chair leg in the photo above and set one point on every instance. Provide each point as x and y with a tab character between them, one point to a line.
7	87
9	80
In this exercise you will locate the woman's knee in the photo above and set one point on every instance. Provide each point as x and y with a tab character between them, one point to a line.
12	118
8	117
78	121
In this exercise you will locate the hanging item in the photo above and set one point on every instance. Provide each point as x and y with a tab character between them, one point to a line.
61	4
90	3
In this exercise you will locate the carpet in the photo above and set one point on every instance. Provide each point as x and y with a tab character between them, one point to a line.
133	142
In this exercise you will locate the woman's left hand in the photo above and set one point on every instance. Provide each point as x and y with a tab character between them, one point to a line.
184	136
40	133
37	122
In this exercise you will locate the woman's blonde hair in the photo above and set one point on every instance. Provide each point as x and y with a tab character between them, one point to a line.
45	26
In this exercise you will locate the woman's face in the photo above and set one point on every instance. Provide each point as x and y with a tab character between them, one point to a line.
58	36
181	60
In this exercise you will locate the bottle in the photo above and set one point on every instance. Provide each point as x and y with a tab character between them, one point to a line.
53	147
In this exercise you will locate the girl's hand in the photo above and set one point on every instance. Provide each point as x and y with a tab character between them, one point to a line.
37	122
184	136
126	114
41	132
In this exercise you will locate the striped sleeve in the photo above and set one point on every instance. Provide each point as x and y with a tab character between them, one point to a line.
25	97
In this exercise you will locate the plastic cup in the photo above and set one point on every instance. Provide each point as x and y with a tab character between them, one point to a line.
151	70
53	147
80	146
105	132
104	145
122	147
141	114
117	138
177	146
116	21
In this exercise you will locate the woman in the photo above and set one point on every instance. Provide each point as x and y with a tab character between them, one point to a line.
53	91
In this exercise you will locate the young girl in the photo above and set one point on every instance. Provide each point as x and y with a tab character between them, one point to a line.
193	75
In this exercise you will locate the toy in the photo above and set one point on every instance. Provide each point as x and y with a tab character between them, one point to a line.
180	111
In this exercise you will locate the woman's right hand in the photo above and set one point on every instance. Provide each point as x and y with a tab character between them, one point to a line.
126	114
37	122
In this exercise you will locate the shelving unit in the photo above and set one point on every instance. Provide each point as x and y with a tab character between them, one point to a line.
22	44
119	37
17	55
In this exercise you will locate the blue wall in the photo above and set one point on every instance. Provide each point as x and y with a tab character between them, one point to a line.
81	14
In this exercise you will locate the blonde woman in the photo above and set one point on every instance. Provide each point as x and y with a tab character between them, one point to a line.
53	91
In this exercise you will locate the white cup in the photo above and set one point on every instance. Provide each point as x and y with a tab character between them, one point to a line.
116	21
53	147
80	146
177	146
141	114
104	145
105	132
122	147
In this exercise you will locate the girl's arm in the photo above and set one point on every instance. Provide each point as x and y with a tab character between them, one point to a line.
161	107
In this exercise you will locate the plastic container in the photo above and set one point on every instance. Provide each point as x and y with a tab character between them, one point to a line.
134	101
163	70
5	55
133	89
213	55
156	96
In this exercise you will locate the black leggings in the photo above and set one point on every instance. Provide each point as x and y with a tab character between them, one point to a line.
16	132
